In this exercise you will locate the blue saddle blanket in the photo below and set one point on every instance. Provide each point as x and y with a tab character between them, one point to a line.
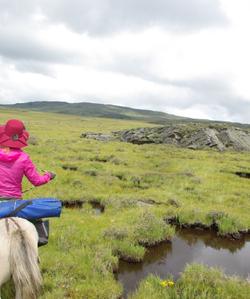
36	208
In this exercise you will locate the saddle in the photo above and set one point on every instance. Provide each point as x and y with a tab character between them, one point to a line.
32	210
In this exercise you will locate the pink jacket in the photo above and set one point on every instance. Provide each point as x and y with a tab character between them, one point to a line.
13	166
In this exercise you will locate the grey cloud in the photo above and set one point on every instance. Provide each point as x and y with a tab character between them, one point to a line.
214	95
143	68
34	67
236	109
107	16
29	53
209	91
25	45
20	43
217	92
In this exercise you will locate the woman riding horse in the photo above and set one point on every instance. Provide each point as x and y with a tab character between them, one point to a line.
18	237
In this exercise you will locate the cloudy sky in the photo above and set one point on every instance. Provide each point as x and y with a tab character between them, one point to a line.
190	58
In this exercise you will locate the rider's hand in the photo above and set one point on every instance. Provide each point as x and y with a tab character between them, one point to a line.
52	175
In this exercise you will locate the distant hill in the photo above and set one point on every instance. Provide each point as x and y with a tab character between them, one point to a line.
109	111
97	110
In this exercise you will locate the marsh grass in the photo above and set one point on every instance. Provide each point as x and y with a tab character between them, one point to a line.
141	229
197	281
192	186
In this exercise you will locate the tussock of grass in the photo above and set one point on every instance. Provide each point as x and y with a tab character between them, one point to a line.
151	230
116	233
128	251
197	281
143	229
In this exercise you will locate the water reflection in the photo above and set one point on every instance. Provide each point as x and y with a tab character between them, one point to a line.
188	246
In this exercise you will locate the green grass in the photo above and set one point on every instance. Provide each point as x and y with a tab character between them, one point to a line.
197	281
84	248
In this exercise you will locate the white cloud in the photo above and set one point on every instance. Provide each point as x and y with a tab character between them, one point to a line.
201	71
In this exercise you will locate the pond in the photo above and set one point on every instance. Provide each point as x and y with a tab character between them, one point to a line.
188	246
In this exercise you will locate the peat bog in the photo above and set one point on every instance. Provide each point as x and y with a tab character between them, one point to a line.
140	187
188	246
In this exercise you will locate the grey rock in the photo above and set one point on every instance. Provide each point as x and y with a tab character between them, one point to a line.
203	138
193	136
235	138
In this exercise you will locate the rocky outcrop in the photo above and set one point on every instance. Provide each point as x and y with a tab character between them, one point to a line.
191	136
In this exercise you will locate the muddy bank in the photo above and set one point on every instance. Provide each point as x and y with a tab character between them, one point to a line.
78	204
241	174
213	228
188	246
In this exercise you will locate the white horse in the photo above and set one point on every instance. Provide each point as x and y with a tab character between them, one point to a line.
19	257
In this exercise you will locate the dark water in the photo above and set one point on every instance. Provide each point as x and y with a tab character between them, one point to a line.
245	175
97	207
78	204
188	246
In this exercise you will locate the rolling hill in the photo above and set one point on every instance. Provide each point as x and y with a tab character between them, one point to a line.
111	111
97	110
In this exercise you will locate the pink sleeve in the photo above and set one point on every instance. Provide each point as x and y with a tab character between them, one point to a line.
33	176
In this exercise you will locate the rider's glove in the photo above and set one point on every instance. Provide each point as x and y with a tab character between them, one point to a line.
52	175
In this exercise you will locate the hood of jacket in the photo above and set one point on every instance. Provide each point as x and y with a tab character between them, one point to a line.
11	156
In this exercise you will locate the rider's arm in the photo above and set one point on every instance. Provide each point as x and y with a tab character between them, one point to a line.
33	176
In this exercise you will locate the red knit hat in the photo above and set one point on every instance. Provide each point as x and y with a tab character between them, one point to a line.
13	134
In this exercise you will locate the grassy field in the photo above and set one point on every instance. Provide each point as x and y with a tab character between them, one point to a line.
84	248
